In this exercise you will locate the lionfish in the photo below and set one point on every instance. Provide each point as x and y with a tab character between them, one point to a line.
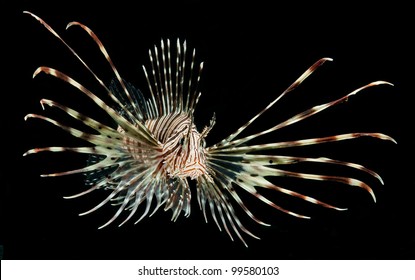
155	149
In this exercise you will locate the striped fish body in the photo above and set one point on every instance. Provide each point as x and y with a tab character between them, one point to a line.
155	150
182	146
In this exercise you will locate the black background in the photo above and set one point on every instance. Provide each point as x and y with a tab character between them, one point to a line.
252	52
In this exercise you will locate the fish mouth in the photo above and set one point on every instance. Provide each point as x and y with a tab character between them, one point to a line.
193	171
